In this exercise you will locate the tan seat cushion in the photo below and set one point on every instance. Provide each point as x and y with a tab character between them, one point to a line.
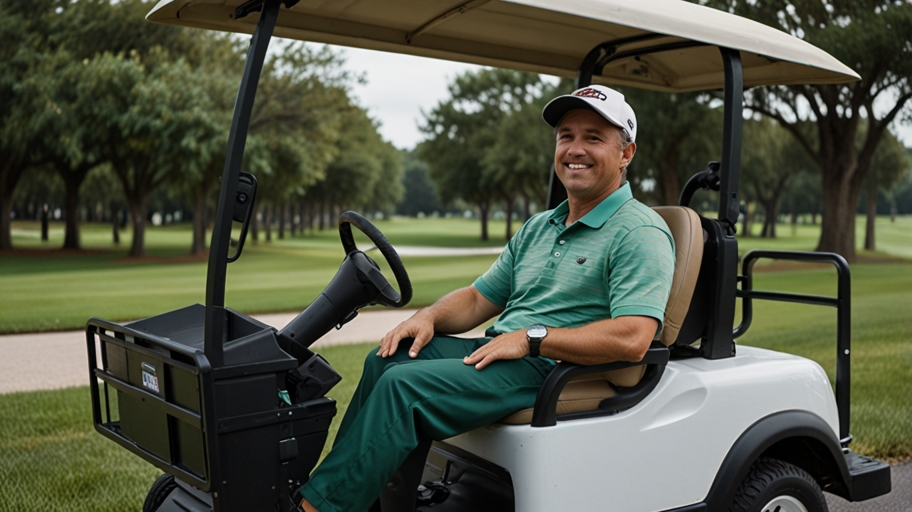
584	393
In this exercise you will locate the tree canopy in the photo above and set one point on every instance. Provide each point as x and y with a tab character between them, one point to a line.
97	89
871	37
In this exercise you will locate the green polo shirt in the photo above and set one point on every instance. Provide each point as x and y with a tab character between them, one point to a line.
617	260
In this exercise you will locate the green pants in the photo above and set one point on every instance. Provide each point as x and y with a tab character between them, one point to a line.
401	400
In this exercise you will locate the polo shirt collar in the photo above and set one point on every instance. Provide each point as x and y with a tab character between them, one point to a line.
599	215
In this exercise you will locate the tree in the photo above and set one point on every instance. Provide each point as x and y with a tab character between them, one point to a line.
23	34
678	135
420	194
144	117
462	129
867	36
888	167
768	162
520	160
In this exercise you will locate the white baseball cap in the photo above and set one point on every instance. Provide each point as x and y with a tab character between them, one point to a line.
606	102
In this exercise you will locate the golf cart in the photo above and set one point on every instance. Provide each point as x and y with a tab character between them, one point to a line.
236	414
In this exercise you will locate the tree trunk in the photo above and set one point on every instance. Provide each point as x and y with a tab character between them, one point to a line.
527	207
870	217
255	223
138	207
72	178
198	245
747	222
483	209
668	178
837	232
268	218
6	213
9	177
283	214
295	218
322	223
115	225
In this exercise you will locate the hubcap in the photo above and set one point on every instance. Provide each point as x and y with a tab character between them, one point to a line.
784	504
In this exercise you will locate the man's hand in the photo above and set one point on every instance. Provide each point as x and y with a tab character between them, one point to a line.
454	313
513	345
420	326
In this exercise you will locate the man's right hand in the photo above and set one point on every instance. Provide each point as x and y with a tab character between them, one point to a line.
420	327
454	313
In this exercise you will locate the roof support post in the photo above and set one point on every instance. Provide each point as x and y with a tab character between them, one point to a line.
730	171
216	323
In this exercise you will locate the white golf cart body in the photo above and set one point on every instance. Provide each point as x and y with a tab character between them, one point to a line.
688	442
666	451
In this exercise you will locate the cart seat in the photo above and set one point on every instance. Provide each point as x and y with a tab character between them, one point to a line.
586	392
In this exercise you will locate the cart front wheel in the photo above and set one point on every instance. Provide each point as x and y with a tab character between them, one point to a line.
159	492
776	486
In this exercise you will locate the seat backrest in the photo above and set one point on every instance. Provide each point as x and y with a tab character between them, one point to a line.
687	232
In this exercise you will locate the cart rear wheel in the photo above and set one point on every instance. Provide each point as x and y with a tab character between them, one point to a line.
776	486
159	492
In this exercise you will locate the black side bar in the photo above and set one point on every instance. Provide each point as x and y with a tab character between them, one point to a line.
545	412
216	316
842	303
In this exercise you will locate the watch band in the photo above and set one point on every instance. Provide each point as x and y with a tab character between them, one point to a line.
535	334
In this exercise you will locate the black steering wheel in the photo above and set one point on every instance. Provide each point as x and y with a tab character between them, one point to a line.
388	295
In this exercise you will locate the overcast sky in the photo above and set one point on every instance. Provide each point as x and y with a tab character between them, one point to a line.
400	87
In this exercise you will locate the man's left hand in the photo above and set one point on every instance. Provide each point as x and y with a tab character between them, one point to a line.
513	345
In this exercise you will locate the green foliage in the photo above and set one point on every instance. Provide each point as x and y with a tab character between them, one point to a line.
463	130
769	161
95	85
420	194
678	135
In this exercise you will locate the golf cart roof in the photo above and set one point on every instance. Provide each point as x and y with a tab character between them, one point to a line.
666	45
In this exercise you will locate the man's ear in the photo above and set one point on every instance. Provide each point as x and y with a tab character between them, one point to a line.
629	151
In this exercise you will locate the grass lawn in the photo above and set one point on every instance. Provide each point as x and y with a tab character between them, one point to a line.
51	458
48	290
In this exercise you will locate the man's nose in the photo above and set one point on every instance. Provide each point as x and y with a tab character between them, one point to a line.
576	147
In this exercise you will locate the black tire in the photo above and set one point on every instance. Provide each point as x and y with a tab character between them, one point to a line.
776	486
159	492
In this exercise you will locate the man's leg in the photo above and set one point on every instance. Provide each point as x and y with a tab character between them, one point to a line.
435	398
440	347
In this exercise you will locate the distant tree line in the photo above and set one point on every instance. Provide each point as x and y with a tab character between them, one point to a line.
104	111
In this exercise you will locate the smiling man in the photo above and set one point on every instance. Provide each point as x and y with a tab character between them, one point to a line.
586	282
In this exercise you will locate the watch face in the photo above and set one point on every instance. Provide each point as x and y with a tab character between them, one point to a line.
537	331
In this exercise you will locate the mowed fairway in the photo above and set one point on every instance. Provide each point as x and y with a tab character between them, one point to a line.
50	454
50	290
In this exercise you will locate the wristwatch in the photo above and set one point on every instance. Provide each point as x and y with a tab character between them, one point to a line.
535	335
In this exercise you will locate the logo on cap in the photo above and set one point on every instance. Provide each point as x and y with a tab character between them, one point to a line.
630	124
591	93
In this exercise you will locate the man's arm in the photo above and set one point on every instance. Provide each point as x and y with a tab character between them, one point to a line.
456	312
625	338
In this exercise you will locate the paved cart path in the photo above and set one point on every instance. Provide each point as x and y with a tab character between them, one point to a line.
55	360
58	360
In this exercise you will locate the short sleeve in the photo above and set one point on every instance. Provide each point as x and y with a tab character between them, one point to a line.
640	272
497	283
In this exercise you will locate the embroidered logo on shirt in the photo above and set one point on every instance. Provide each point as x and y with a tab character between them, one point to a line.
581	260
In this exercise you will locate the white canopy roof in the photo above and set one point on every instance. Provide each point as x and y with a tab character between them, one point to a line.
543	36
